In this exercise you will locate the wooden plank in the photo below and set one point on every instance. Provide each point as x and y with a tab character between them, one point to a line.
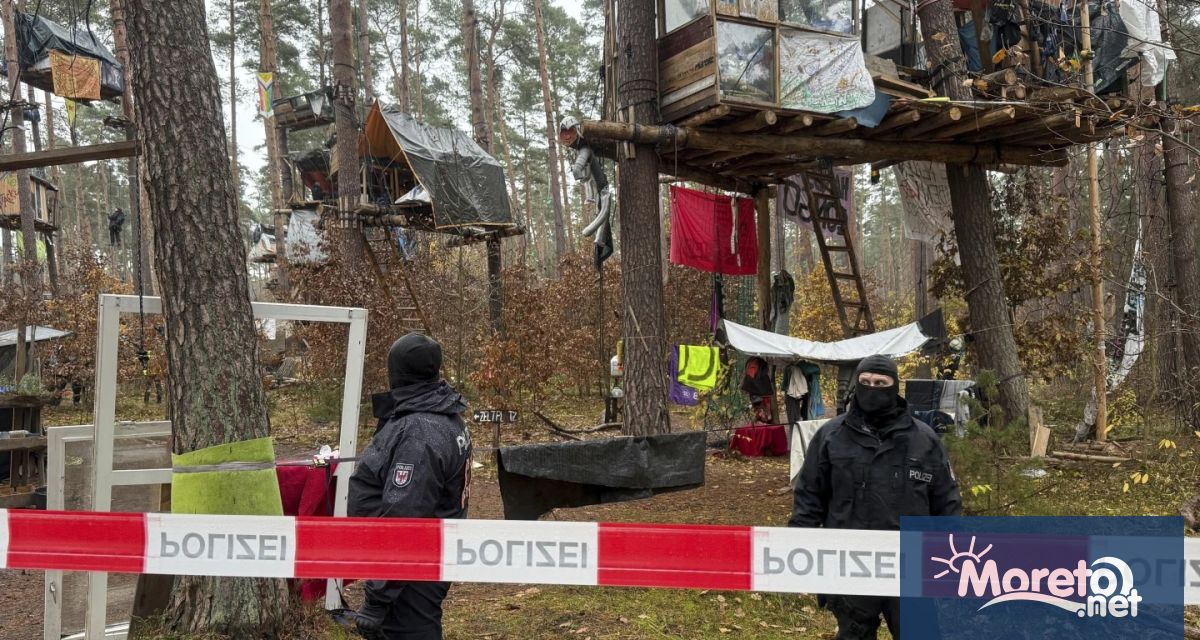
1039	434
28	443
761	10
68	155
688	66
1033	126
682	39
727	7
892	82
704	98
17	501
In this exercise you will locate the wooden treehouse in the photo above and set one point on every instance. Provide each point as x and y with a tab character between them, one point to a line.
412	178
757	93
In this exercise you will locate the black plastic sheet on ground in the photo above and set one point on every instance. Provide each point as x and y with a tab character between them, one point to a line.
537	478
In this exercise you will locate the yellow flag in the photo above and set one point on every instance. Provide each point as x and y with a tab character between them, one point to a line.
71	107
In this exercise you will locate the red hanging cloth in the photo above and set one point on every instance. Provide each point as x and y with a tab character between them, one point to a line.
702	233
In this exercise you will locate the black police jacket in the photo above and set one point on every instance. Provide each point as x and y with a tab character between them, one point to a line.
855	477
418	464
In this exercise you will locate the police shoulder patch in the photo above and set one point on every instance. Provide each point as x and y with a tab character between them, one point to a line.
403	474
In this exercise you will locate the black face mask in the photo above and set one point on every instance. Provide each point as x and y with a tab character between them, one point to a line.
875	401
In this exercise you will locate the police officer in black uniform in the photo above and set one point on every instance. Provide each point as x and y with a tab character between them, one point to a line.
418	465
866	468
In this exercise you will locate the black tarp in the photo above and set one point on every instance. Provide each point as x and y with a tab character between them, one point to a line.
37	37
539	477
465	183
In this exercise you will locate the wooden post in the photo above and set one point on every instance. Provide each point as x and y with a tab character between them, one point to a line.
1099	363
763	224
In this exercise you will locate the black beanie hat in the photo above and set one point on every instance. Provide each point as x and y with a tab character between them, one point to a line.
412	359
883	365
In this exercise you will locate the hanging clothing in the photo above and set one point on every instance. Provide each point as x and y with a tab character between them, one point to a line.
757	381
795	384
703	229
681	393
813	407
699	366
783	293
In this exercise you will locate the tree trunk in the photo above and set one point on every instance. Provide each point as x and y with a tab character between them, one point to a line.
142	231
568	217
483	135
276	168
560	237
24	195
1181	211
233	143
51	138
83	223
214	391
349	193
323	79
403	93
419	57
641	254
991	324
364	52
35	127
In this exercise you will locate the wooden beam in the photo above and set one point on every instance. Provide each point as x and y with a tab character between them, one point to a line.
760	120
797	123
1039	124
810	146
839	126
896	120
943	119
693	174
989	119
705	117
68	155
507	232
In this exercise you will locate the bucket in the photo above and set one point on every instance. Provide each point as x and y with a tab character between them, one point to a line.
39	498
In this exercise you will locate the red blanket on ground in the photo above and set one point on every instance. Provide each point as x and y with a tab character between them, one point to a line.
702	226
760	440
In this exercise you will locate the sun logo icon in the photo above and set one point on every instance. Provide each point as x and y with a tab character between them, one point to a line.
957	558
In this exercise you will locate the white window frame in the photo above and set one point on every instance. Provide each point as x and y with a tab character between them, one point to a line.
107	355
57	439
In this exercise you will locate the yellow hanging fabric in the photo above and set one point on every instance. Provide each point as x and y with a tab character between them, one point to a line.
699	366
75	77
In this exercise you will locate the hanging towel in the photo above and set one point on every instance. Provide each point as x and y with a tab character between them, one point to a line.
797	384
681	393
702	232
699	366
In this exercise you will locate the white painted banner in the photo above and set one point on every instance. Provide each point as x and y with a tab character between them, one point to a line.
548	552
245	546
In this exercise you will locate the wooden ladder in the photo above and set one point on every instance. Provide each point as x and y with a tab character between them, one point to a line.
388	265
841	265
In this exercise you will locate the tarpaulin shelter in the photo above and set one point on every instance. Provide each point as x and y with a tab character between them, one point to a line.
465	184
38	37
773	346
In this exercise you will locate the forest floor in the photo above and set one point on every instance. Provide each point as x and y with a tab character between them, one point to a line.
745	491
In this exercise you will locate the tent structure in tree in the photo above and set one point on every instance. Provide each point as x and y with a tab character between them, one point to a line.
68	61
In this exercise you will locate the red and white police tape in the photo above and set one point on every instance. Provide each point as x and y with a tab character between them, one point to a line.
577	553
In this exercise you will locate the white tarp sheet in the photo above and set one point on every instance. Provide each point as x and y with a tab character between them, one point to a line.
925	195
1145	40
304	239
773	346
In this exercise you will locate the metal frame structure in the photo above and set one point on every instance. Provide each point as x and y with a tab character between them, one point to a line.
105	477
57	439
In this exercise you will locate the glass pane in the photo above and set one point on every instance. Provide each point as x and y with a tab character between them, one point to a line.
746	58
828	15
681	12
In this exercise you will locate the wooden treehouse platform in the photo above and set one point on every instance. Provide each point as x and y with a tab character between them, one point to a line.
732	144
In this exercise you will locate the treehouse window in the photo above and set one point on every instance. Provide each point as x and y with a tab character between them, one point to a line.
680	12
825	15
746	61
